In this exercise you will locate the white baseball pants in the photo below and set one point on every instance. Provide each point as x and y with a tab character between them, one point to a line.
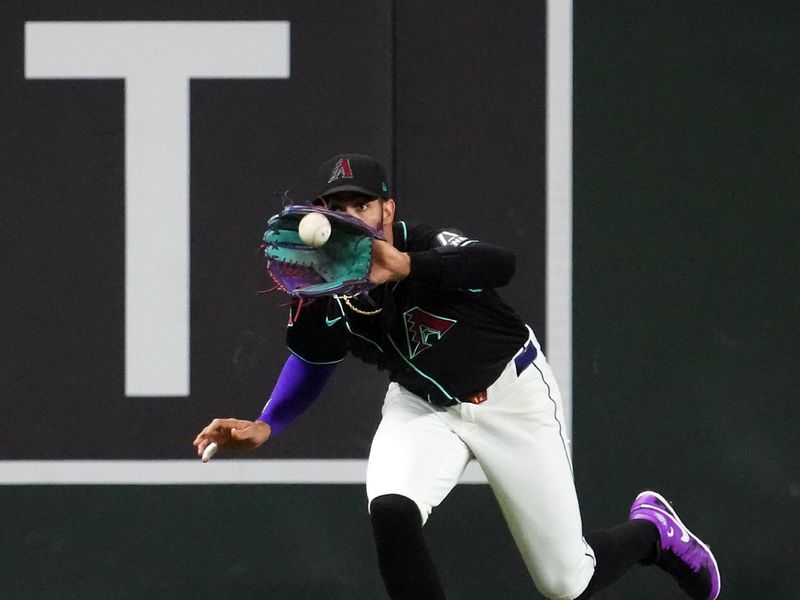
517	435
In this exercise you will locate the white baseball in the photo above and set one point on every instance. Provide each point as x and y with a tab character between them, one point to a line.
314	229
210	451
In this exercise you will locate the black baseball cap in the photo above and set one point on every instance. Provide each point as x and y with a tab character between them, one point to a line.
352	173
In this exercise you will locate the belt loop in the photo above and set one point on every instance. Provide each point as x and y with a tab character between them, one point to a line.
525	358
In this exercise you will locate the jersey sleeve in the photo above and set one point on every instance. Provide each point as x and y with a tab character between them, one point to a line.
316	332
448	259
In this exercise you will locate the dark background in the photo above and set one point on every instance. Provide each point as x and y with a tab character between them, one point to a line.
368	77
686	188
685	286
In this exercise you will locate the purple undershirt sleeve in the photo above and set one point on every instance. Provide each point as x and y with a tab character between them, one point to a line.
299	384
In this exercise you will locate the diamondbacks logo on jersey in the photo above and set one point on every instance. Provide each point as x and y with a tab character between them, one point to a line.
342	170
423	329
452	238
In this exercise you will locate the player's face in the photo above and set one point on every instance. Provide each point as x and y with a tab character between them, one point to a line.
374	212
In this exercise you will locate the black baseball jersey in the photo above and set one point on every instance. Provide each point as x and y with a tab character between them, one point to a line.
441	332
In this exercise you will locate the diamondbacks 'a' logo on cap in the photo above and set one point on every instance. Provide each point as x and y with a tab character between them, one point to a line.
342	170
423	329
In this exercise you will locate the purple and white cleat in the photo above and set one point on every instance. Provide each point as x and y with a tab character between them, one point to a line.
680	552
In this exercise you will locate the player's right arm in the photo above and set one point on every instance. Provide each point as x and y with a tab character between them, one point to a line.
232	433
316	348
299	385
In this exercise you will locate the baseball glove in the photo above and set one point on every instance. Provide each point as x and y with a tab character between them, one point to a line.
339	267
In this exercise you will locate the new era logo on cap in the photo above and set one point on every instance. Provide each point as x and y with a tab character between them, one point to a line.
352	173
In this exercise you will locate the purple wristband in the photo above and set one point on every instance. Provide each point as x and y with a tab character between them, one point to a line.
299	384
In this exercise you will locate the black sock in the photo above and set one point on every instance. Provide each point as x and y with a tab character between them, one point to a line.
406	566
618	549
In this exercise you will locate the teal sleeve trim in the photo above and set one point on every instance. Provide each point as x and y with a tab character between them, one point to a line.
405	232
312	362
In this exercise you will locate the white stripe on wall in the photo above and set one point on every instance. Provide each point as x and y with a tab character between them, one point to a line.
558	312
192	472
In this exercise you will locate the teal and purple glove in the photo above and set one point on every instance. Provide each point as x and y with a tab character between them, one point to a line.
340	266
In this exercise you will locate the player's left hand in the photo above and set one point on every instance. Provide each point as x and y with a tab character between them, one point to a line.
388	263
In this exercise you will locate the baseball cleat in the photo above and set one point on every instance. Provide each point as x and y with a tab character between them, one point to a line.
680	552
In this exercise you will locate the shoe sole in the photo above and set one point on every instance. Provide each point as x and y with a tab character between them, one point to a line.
670	512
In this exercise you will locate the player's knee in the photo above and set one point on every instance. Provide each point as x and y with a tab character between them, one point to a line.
564	577
561	585
393	512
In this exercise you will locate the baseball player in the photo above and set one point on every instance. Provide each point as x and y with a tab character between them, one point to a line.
468	379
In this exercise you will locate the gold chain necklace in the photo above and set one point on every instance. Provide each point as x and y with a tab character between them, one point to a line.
366	313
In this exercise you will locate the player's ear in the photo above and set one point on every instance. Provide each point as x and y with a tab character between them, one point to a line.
388	210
